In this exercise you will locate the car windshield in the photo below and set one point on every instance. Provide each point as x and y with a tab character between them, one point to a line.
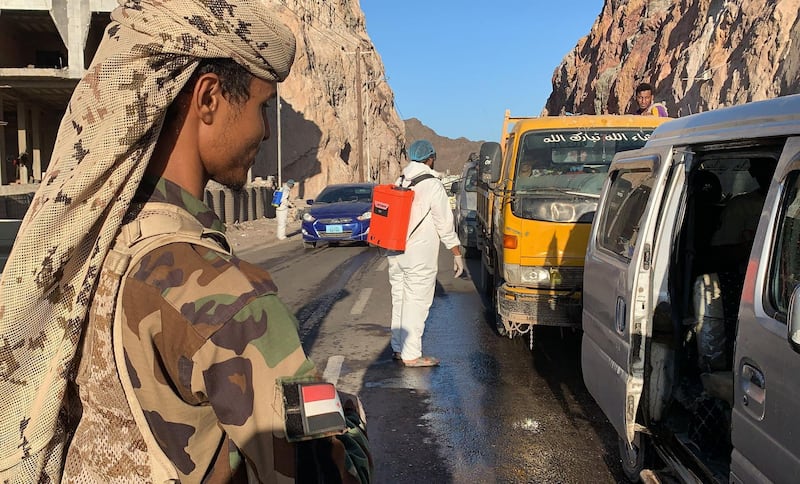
345	194
582	155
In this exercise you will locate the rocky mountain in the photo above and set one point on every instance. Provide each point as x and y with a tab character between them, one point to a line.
338	121
450	153
697	54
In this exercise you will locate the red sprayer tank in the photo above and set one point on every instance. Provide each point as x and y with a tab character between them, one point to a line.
391	210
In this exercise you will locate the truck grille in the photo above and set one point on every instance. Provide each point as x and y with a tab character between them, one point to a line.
544	309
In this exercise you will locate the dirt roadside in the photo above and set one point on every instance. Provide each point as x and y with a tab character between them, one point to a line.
260	233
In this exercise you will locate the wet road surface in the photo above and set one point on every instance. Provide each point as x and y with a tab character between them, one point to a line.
494	411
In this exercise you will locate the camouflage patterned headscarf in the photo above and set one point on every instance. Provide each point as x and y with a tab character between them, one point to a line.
104	143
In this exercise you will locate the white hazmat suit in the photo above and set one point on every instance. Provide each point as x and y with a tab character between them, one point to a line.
412	274
282	211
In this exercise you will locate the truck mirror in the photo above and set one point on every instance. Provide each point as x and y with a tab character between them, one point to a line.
454	188
491	160
793	319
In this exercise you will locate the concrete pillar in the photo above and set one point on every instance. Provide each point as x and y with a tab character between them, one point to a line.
258	202
36	143
4	178
230	206
269	210
244	205
3	153
22	136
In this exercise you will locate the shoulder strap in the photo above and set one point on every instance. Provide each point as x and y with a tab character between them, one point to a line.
420	178
414	180
158	224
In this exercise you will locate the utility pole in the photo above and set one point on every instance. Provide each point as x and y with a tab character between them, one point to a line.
278	122
360	109
360	112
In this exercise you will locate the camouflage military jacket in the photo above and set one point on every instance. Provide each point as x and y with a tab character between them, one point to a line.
204	339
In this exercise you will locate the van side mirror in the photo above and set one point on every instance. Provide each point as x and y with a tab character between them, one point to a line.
454	188
491	161
793	319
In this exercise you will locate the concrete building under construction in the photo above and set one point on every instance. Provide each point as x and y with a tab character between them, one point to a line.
45	48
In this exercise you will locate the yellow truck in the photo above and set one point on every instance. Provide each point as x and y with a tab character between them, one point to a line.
537	194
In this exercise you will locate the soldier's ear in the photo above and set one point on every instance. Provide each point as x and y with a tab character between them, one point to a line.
207	97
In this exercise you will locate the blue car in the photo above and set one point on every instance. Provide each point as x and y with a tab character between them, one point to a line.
339	213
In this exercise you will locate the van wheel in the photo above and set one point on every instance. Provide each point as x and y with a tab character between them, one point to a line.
635	458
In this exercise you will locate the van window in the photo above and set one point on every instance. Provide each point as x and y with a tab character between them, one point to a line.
627	199
785	270
471	179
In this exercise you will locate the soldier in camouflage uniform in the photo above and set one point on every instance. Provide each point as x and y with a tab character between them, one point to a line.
176	363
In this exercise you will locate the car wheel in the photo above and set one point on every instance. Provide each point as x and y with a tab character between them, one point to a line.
634	458
309	245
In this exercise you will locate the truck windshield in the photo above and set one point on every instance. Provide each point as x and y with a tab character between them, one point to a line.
560	173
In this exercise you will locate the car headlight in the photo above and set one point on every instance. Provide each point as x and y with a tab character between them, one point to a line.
308	217
365	216
516	274
555	210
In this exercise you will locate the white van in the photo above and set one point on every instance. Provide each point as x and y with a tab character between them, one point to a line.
466	217
691	310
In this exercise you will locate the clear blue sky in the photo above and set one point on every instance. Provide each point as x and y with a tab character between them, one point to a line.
457	66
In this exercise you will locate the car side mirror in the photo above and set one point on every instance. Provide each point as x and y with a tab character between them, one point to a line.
310	201
454	188
793	320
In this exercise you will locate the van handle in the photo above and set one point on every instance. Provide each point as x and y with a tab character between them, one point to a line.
753	384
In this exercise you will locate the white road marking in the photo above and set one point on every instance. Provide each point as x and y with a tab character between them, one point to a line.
333	369
361	302
383	265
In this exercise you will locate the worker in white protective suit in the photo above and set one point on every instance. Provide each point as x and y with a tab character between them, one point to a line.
412	273
282	211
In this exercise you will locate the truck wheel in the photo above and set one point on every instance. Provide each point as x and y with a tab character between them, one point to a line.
634	459
487	284
498	320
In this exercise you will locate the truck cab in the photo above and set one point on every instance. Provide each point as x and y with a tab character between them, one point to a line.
691	308
537	195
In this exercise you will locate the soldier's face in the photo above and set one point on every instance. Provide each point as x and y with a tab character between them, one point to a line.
234	143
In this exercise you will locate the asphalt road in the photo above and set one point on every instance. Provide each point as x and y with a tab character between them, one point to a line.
494	411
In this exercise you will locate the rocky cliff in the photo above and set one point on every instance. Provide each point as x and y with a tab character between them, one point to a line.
697	54
338	121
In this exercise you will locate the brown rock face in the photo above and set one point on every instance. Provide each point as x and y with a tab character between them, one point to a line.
697	54
338	121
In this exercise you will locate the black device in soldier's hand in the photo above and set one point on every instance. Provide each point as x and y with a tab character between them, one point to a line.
312	410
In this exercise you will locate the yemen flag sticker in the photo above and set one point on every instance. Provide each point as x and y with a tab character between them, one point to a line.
321	408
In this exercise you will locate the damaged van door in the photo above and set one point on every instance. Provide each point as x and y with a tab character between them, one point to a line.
618	302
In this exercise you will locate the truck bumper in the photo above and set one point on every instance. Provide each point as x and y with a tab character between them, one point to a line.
520	309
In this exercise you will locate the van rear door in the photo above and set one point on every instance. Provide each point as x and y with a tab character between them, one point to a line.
617	298
765	423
